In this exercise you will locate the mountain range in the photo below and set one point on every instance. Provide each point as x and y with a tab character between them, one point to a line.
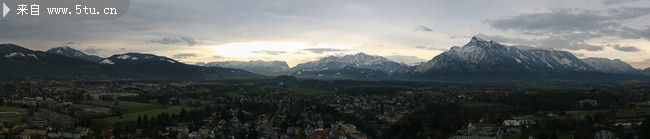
73	53
19	62
479	59
260	67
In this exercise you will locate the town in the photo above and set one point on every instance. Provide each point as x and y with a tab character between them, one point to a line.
288	108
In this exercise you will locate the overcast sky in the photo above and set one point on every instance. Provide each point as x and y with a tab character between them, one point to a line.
303	30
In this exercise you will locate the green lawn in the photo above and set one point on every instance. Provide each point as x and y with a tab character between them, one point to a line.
480	104
12	118
585	112
121	104
308	91
97	108
152	112
9	108
635	112
197	100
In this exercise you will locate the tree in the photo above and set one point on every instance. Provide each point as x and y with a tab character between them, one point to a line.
139	122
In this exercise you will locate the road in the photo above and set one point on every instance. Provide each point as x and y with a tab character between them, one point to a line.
268	128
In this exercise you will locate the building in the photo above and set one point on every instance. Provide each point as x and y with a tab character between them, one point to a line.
348	128
588	102
605	134
479	131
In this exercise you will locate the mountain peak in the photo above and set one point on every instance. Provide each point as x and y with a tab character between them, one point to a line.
478	39
13	47
74	53
362	54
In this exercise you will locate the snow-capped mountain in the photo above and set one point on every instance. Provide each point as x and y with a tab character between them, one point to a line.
259	66
359	60
153	66
137	59
350	73
482	56
610	66
73	53
17	61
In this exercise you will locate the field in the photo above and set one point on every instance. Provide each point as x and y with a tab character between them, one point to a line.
132	116
97	108
121	104
307	91
585	112
560	135
12	118
480	104
9	108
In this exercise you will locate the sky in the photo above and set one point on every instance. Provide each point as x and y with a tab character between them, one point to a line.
406	31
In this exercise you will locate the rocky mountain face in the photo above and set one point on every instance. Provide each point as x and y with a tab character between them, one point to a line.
359	60
73	53
610	66
482	56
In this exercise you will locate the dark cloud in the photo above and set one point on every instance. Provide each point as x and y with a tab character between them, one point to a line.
624	48
570	29
610	2
70	42
184	55
174	40
269	52
565	42
428	48
93	50
423	28
323	50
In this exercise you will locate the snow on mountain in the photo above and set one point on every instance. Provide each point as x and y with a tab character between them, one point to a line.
259	66
73	53
610	66
359	60
138	58
482	56
106	61
14	54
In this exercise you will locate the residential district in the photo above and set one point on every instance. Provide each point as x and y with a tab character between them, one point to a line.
319	110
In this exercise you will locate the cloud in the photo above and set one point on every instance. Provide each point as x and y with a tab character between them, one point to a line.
70	42
93	50
323	50
269	52
610	2
423	28
428	48
174	40
571	29
641	64
563	42
184	55
624	48
218	56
